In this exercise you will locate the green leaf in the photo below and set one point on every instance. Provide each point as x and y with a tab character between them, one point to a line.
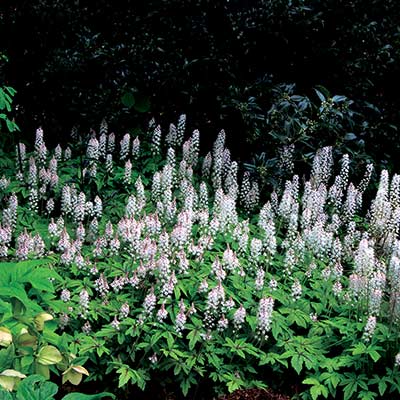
297	363
185	386
382	386
194	337
142	104
311	381
374	355
36	387
367	395
128	99
350	389
124	376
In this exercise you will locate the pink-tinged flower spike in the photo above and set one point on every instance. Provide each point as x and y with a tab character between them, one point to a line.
255	250
87	327
253	197
194	148
322	166
203	288
115	323
98	207
231	181
227	217
92	151
156	141
109	231
109	164
67	153
296	290
362	186
66	205
226	162
216	297
124	311
183	263
115	245
125	146
181	318
38	246
33	173
222	324
84	303
217	269
20	151
42	154
4	182
241	235
10	213
127	173
285	161
5	239
63	320
65	295
53	180
40	147
186	152
170	139
264	317
239	317
162	313
33	200
79	208
156	189
136	148
24	245
93	229
245	189
180	130
216	175
140	194
259	282
206	167
380	208
369	329
111	143
102	145
230	260
103	127
118	283
149	302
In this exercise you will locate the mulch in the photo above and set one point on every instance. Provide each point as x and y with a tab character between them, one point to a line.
254	394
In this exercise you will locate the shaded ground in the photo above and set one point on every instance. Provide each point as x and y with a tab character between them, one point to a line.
157	393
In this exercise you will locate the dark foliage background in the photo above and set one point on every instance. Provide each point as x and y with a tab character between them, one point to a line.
229	62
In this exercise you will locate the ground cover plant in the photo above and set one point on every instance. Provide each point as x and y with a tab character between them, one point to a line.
138	261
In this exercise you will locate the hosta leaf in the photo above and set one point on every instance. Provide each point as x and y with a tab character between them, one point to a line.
5	336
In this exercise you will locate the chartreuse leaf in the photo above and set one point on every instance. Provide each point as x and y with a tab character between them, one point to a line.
5	336
317	389
49	355
9	378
